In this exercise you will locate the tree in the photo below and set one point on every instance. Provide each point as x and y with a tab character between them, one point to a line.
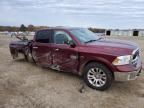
14	29
30	27
23	28
97	30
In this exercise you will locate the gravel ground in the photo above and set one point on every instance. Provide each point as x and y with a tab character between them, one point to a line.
25	85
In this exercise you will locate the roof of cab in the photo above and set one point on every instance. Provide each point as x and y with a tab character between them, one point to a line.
60	27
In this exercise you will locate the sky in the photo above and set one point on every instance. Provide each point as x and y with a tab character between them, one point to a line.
110	14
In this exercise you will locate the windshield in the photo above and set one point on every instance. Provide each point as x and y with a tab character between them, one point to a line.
84	35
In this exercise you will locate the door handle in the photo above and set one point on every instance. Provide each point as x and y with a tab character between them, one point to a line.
56	49
35	47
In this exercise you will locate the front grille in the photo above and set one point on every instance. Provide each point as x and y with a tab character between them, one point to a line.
135	56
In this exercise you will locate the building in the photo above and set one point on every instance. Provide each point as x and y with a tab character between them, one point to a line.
129	32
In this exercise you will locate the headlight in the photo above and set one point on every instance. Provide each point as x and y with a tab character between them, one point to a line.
122	60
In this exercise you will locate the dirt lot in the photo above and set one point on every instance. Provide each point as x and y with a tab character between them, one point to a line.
25	85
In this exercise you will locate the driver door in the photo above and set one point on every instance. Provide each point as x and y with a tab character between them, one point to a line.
65	58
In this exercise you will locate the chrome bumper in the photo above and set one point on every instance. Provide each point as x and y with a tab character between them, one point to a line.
126	76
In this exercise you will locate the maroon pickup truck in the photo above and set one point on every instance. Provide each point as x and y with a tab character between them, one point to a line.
78	50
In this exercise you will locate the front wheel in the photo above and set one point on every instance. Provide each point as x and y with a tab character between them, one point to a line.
98	76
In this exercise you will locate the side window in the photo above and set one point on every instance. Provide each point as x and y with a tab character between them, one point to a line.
61	37
43	36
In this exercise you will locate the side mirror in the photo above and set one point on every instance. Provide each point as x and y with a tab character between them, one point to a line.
72	44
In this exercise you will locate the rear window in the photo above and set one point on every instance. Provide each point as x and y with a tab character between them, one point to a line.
44	36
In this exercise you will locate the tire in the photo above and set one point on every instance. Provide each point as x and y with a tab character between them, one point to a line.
14	54
29	56
98	76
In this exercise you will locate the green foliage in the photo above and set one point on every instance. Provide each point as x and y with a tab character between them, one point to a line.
23	28
97	30
9	28
30	27
35	28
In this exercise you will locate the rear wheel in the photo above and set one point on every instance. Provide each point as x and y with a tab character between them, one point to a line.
98	76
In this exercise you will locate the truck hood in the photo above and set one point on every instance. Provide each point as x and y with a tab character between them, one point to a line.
114	46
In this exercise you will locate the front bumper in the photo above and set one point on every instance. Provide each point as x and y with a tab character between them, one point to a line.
126	76
128	72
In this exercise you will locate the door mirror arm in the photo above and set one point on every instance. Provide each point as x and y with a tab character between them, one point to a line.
72	44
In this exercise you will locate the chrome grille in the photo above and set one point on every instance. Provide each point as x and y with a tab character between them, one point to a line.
135	56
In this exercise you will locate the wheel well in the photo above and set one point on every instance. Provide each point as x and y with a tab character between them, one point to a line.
97	62
29	47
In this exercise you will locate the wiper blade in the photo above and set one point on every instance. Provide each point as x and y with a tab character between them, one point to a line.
100	38
90	41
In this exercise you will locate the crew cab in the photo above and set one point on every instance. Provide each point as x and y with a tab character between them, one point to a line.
100	61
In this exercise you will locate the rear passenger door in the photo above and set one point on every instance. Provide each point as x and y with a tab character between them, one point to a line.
41	49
